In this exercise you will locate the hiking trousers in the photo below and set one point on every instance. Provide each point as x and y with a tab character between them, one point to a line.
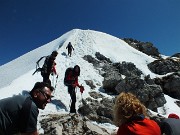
72	92
69	52
46	79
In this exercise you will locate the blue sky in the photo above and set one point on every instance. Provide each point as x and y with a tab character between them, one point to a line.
28	24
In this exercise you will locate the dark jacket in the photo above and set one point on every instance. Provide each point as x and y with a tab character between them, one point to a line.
170	126
69	47
10	116
47	66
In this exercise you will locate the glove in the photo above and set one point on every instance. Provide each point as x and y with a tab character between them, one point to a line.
81	89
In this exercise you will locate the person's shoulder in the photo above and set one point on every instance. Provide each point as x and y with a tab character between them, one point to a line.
19	97
171	120
15	99
149	120
47	57
69	69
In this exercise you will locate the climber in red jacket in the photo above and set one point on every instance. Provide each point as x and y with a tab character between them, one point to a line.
131	117
71	81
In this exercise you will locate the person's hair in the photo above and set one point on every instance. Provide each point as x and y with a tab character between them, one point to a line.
77	73
54	53
41	85
126	107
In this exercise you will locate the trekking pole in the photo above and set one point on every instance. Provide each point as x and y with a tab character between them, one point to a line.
81	99
56	82
52	79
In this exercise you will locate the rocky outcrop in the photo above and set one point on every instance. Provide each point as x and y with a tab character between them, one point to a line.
113	74
92	60
124	76
150	94
90	84
111	78
176	55
70	124
119	77
164	66
170	84
98	109
102	57
146	47
128	69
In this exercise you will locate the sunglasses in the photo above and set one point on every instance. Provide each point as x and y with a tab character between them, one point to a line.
46	96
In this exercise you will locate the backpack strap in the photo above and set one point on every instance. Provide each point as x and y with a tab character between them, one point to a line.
24	113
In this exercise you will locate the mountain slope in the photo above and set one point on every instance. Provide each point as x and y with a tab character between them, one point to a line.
85	42
17	75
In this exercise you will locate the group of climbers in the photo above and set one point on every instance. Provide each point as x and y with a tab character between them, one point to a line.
49	64
71	75
20	116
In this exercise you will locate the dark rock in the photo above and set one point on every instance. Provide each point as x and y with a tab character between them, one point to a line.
151	95
102	57
95	95
164	66
90	83
147	47
176	55
170	84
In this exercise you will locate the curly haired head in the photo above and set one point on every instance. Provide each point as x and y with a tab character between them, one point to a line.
126	107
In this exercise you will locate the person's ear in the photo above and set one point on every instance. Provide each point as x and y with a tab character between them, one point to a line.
35	95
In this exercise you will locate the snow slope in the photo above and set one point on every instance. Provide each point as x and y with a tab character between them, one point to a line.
16	76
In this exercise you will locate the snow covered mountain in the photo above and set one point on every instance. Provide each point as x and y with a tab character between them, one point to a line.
16	76
85	42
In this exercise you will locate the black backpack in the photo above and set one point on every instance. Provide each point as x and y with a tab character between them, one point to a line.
67	82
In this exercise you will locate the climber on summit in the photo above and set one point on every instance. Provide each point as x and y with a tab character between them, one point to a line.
70	48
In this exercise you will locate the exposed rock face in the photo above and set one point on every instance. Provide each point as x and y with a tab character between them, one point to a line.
126	77
66	124
90	83
128	69
112	74
146	48
99	111
170	84
92	60
102	57
151	95
111	78
146	89
164	66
